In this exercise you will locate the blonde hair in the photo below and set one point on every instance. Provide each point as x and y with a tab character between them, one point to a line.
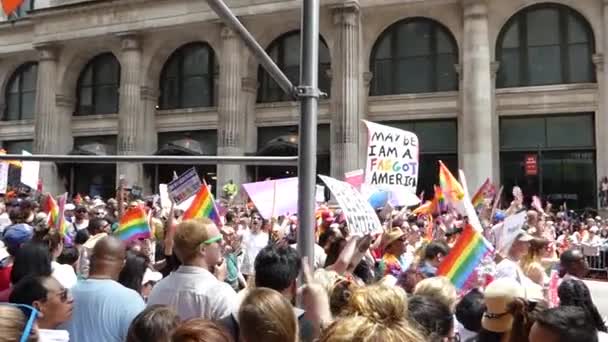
12	324
265	315
440	288
189	235
374	313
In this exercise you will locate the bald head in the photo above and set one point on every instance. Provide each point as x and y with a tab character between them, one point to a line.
573	262
108	257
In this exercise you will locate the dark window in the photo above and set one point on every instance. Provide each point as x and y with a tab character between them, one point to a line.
285	51
21	93
545	44
98	86
22	10
414	56
187	79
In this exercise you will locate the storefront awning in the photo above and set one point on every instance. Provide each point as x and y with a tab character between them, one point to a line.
186	146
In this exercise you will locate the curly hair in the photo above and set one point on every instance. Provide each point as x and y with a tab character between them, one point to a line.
573	292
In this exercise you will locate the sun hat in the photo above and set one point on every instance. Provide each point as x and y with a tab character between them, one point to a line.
391	236
498	297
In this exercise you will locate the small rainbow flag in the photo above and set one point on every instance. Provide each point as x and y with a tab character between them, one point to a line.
56	218
464	257
480	195
449	184
133	225
203	206
440	205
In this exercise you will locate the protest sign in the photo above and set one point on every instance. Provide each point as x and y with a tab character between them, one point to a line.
3	177
392	157
320	194
360	215
30	172
506	234
275	197
165	200
185	186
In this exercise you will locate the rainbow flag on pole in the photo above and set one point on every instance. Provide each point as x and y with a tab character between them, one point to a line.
133	225
464	257
449	184
54	211
481	194
203	206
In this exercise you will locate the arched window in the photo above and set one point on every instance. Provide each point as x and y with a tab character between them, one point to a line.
285	51
415	55
187	79
21	93
22	10
545	44
98	86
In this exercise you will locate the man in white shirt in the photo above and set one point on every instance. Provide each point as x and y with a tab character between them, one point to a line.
254	240
509	267
192	291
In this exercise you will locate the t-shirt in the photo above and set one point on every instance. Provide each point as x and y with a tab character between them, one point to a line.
103	311
252	245
5	277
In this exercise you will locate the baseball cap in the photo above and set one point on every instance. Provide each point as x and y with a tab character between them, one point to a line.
18	234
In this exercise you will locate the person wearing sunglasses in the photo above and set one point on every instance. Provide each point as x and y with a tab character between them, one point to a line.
18	323
193	290
52	301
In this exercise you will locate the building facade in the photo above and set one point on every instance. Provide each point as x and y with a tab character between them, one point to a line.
489	86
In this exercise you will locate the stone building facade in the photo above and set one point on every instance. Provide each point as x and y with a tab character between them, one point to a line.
486	84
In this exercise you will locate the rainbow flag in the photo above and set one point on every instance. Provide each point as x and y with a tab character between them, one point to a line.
481	194
464	257
133	225
449	184
54	211
440	205
203	206
50	207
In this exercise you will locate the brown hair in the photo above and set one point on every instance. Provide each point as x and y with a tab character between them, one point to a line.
200	330
265	315
155	323
189	235
12	324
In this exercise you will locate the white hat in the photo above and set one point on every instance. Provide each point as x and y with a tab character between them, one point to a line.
151	276
69	207
98	203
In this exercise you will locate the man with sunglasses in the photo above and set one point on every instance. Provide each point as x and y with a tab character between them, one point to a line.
52	301
193	290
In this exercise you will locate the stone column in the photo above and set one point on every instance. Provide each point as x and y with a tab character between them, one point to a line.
249	88
52	132
231	123
131	116
149	97
477	122
346	75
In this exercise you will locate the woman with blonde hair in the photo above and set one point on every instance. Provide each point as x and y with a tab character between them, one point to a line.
440	288
265	315
18	323
374	313
533	263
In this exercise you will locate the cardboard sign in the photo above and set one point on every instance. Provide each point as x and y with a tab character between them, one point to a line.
3	177
392	157
30	172
531	164
185	186
360	215
511	227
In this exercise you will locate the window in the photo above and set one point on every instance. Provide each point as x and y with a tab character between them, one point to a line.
22	10
20	94
414	56
545	44
187	79
285	51
98	86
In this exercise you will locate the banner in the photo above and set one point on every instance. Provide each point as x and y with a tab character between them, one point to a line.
392	157
360	215
275	197
185	186
30	172
3	177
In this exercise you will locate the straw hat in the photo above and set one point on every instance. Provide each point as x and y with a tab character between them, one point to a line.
497	297
391	236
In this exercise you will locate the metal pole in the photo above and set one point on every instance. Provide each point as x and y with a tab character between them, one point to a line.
308	92
220	8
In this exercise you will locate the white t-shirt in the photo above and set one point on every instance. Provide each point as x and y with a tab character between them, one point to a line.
252	245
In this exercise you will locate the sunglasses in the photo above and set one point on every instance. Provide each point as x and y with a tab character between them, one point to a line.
29	312
63	295
212	240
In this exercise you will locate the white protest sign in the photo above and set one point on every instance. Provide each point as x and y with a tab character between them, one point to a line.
185	186
392	157
510	229
320	194
165	200
360	215
30	172
3	177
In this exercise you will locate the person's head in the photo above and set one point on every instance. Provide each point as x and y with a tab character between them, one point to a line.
53	239
257	221
520	246
574	292
470	309
17	323
339	289
395	241
432	317
573	262
48	296
563	324
200	330
537	249
80	213
334	248
435	252
98	225
108	258
440	288
500	299
198	243
81	237
155	323
132	274
17	235
278	268
69	256
31	259
374	313
266	315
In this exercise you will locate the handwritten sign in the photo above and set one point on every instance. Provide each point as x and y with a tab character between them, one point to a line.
360	215
185	186
392	157
30	171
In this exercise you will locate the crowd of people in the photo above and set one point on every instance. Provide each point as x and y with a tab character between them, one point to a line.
194	280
